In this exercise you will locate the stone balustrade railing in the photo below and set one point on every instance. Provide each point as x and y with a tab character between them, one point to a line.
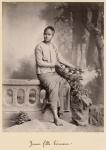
21	95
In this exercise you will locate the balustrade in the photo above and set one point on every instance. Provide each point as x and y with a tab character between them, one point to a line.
21	95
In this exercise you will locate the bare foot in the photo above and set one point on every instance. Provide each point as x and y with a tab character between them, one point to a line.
58	122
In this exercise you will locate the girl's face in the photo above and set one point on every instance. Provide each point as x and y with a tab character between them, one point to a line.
48	35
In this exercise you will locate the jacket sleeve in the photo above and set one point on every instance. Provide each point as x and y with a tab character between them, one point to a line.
39	60
61	59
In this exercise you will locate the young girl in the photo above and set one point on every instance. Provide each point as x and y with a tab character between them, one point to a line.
47	57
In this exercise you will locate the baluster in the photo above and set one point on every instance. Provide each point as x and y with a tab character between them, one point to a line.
27	96
37	94
14	96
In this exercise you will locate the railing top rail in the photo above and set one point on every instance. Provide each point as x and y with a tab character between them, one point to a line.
19	82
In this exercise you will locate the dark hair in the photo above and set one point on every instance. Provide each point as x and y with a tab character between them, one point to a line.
49	27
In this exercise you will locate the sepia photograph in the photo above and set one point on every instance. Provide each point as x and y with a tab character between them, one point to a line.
53	66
